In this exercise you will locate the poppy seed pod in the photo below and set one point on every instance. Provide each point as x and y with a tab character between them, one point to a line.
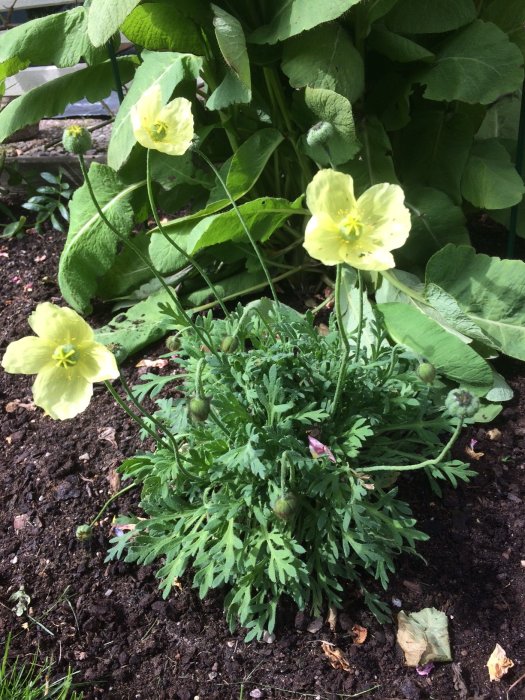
286	506
76	139
426	372
461	403
172	343
229	343
84	532
199	409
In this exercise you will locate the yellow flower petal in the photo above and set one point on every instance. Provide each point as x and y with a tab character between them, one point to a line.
322	240
96	363
382	207
27	356
375	260
330	193
62	393
361	233
168	128
59	325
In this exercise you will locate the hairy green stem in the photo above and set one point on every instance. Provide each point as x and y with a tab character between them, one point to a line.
420	465
109	501
243	223
189	258
134	416
140	255
344	340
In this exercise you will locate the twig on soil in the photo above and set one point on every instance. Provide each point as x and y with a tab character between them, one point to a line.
515	684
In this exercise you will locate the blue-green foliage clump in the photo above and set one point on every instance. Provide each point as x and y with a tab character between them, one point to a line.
248	506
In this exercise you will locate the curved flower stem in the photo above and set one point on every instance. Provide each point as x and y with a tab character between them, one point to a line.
143	258
386	274
109	501
243	223
359	315
146	413
134	416
175	245
344	340
420	465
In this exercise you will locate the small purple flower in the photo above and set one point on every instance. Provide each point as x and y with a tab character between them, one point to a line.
317	449
473	443
425	670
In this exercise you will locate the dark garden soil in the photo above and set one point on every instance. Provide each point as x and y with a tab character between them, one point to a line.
109	622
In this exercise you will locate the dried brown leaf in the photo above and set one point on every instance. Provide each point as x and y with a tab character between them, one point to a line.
108	435
360	634
332	618
472	454
336	657
498	663
494	434
158	363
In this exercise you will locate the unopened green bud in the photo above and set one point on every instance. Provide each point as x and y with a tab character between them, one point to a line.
199	409
286	506
461	403
76	139
229	343
426	372
172	343
319	133
84	532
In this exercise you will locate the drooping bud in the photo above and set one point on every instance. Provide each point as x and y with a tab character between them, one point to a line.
426	372
172	343
229	343
199	409
84	532
461	403
76	139
319	133
285	506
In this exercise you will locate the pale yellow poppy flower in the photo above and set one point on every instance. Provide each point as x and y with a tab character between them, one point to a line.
65	358
360	232
166	128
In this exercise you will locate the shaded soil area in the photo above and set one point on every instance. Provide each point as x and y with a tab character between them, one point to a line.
109	622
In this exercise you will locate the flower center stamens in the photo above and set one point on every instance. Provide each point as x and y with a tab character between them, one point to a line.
65	356
158	131
350	226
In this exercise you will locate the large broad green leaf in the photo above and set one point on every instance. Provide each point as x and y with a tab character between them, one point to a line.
230	37
490	180
396	47
139	326
262	216
451	312
59	40
296	16
477	65
366	13
502	118
127	272
165	69
105	18
509	15
242	170
158	26
236	87
91	246
229	92
375	163
436	221
450	356
94	83
489	290
334	114
430	16
433	150
325	57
